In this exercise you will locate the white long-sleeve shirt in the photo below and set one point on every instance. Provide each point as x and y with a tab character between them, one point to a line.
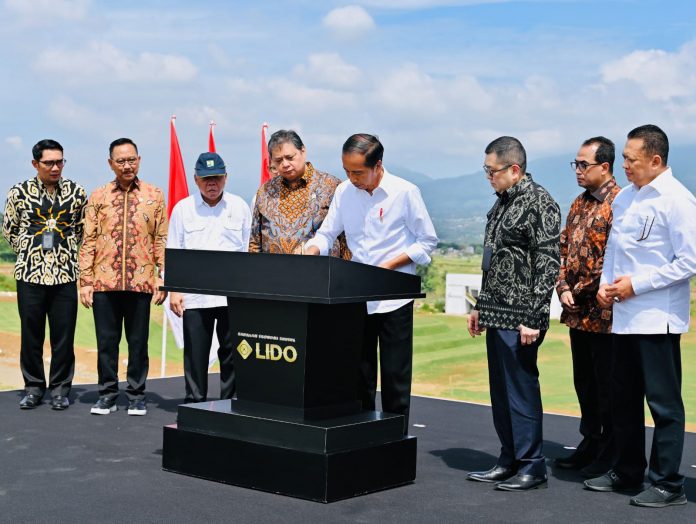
223	227
653	241
391	221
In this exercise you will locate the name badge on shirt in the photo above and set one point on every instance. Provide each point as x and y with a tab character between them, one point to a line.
47	238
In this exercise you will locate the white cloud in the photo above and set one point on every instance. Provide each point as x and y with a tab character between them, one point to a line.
15	142
659	74
412	93
349	21
329	69
42	12
72	114
102	62
302	100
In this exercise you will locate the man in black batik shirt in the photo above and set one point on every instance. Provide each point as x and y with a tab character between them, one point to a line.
520	267
43	225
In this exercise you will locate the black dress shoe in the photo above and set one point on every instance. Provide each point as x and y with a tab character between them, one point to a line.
59	403
495	474
30	401
574	461
523	483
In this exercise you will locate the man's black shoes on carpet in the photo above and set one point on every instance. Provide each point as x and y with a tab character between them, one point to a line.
523	483
610	481
59	403
495	474
137	407
659	497
574	461
30	401
104	406
506	479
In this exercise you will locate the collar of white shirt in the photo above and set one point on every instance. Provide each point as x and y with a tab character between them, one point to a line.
198	199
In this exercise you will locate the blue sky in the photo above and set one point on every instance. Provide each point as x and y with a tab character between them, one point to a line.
436	80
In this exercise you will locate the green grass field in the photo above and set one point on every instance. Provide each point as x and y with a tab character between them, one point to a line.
85	336
448	363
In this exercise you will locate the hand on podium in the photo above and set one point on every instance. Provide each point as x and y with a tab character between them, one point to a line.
311	250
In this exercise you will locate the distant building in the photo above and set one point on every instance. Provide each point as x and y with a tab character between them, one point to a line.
461	291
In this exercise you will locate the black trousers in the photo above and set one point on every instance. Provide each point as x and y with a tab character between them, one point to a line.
199	324
114	311
592	361
36	302
394	333
516	400
648	367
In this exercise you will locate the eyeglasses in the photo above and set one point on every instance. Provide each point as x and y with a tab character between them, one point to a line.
582	166
121	162
490	171
50	163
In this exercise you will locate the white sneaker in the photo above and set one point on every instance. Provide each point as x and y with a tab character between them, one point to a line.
104	406
137	407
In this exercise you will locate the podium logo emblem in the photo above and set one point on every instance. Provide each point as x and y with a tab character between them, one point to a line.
245	349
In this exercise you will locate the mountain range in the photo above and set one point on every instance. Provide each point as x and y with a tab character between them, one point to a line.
458	205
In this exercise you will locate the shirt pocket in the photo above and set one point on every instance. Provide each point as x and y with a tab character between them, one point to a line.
635	226
233	234
194	235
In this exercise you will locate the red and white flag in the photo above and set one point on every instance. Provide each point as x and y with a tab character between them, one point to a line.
211	139
178	188
265	173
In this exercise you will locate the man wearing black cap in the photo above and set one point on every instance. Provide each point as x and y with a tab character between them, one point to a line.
214	220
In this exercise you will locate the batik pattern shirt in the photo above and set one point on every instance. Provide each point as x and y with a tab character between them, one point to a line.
284	218
522	231
31	211
125	238
583	241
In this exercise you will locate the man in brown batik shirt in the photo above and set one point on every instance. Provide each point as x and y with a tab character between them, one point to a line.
582	252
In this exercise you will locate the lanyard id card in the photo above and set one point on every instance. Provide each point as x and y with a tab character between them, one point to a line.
486	259
47	239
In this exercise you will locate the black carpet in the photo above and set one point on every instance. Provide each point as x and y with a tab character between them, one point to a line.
75	467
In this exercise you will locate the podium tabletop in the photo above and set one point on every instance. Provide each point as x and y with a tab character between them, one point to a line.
294	278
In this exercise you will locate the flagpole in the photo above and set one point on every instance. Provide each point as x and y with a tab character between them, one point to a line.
163	368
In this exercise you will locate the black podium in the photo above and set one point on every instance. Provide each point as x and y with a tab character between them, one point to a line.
296	427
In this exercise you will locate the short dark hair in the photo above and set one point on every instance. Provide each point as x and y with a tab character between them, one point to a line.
283	136
509	150
655	140
121	142
606	151
42	145
367	145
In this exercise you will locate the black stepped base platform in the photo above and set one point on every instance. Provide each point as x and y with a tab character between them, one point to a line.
321	460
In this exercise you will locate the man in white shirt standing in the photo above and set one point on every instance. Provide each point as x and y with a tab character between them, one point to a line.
211	219
650	257
386	225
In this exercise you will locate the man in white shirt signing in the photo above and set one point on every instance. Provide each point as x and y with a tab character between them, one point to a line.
386	225
210	219
649	259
